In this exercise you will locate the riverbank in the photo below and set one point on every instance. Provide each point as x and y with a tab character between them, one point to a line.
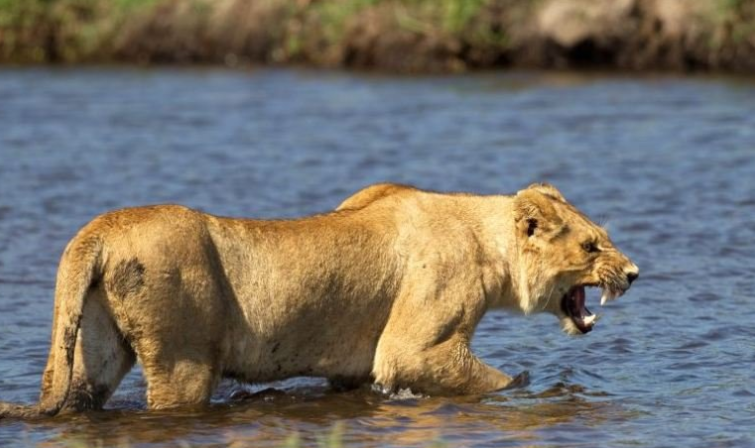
391	35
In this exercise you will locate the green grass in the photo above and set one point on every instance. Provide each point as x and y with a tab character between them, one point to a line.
61	30
82	30
458	13
333	14
421	33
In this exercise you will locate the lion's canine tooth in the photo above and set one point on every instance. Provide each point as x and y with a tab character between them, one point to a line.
589	320
607	295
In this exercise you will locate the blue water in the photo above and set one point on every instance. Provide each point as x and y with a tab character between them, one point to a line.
668	163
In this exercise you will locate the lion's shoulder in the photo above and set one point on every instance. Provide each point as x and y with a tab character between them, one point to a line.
374	193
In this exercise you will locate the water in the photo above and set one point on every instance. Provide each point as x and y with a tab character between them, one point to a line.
668	163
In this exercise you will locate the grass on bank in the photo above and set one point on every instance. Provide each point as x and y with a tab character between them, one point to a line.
395	35
62	30
70	31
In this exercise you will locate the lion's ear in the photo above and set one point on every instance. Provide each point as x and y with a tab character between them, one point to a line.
549	190
533	212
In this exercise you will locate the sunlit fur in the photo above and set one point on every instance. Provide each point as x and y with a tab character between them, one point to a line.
387	289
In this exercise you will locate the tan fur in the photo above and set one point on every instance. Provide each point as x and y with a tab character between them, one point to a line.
389	288
372	193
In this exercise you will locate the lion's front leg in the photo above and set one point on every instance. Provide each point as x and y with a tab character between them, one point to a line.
425	343
448	368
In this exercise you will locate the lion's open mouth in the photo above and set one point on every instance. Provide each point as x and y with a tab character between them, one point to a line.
573	304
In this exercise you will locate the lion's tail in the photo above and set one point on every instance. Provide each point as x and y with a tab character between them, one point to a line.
13	410
79	267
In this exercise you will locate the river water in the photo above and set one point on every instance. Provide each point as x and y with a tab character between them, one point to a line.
667	163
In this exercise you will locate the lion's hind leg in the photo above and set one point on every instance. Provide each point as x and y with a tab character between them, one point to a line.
181	363
101	359
181	352
179	380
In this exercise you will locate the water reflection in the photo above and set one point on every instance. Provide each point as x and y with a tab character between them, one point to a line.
368	419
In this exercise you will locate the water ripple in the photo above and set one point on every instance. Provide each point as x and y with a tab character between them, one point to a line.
666	163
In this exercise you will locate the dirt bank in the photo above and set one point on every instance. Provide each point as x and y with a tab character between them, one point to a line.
402	36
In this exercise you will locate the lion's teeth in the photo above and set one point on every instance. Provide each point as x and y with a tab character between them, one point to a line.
589	320
607	295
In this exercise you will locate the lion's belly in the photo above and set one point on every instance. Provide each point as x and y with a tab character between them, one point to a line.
321	356
309	340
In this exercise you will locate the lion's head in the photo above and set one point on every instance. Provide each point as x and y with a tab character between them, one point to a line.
560	253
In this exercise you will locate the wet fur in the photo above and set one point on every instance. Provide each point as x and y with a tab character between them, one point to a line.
388	288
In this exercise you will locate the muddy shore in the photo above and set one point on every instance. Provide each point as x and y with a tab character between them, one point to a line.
398	36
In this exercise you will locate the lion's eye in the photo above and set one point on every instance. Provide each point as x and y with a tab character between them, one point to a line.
590	247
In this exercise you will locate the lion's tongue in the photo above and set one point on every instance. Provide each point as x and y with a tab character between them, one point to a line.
580	311
579	302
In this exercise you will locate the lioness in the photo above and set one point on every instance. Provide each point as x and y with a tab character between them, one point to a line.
388	288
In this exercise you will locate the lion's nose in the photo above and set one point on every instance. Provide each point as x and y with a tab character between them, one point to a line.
632	276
